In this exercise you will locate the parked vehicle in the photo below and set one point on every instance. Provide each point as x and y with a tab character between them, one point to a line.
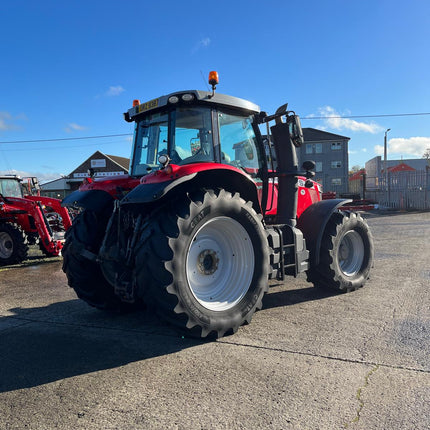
29	219
203	220
356	204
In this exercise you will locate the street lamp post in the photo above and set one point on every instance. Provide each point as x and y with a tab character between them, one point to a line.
385	157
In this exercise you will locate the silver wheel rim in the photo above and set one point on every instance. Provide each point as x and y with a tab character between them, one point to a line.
220	264
351	253
6	245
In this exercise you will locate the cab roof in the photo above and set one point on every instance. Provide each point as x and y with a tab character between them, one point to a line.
201	97
17	178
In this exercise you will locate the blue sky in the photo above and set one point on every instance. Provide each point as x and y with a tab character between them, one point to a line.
70	69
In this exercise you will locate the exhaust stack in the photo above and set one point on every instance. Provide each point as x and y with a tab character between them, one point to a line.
286	171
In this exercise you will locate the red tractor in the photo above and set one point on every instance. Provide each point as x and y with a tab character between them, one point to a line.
205	219
29	219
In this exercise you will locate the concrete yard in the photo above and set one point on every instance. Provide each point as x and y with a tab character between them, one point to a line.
309	360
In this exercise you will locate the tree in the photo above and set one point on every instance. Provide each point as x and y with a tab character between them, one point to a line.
426	155
354	169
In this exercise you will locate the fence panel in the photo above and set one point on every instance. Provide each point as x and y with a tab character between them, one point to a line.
403	190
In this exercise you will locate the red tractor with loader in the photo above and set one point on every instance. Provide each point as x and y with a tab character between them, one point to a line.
29	219
205	219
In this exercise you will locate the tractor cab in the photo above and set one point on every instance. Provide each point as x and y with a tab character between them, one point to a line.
31	186
195	127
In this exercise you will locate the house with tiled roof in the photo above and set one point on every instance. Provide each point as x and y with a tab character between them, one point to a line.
98	165
402	167
375	169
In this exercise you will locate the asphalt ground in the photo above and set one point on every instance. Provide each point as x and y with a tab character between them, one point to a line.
309	360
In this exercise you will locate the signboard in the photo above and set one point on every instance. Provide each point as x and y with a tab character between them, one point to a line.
97	174
98	163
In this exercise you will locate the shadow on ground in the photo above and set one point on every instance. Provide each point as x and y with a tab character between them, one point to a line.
66	339
62	340
292	297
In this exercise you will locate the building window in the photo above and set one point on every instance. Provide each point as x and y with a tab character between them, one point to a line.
318	166
314	148
336	146
336	164
336	181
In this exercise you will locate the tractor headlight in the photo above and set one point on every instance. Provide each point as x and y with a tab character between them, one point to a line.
187	97
173	99
163	159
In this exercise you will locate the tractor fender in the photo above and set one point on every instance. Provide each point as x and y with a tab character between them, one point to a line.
213	178
313	221
151	192
91	199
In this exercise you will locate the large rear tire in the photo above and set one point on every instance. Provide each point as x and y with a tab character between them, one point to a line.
13	244
346	254
84	275
204	265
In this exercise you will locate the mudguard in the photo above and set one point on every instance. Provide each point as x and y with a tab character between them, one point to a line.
222	178
91	199
313	221
147	193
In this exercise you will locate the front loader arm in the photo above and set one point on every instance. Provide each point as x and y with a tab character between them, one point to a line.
55	204
33	208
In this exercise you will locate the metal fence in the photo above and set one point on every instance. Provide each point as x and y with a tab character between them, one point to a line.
399	190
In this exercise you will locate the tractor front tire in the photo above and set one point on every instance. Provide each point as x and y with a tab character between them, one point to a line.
346	254
13	244
204	262
84	275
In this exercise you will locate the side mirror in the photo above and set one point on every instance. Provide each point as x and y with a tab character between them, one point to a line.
36	185
296	132
308	165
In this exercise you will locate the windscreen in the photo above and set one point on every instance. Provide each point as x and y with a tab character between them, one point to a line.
184	134
150	141
10	188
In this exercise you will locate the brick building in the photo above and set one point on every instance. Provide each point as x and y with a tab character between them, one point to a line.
101	164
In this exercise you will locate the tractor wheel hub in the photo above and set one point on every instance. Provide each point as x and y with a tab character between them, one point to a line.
207	262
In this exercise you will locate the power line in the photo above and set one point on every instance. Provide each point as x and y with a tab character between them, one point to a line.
57	148
67	138
365	116
130	134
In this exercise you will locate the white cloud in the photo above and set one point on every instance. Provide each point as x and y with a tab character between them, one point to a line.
74	127
334	121
6	121
4	118
42	177
378	149
202	43
412	146
114	91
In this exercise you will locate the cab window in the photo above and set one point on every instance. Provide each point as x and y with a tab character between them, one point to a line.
238	142
192	136
150	142
10	188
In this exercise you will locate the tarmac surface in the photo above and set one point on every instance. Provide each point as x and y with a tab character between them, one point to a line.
309	360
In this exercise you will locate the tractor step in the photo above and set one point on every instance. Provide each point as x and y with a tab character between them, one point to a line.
289	254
